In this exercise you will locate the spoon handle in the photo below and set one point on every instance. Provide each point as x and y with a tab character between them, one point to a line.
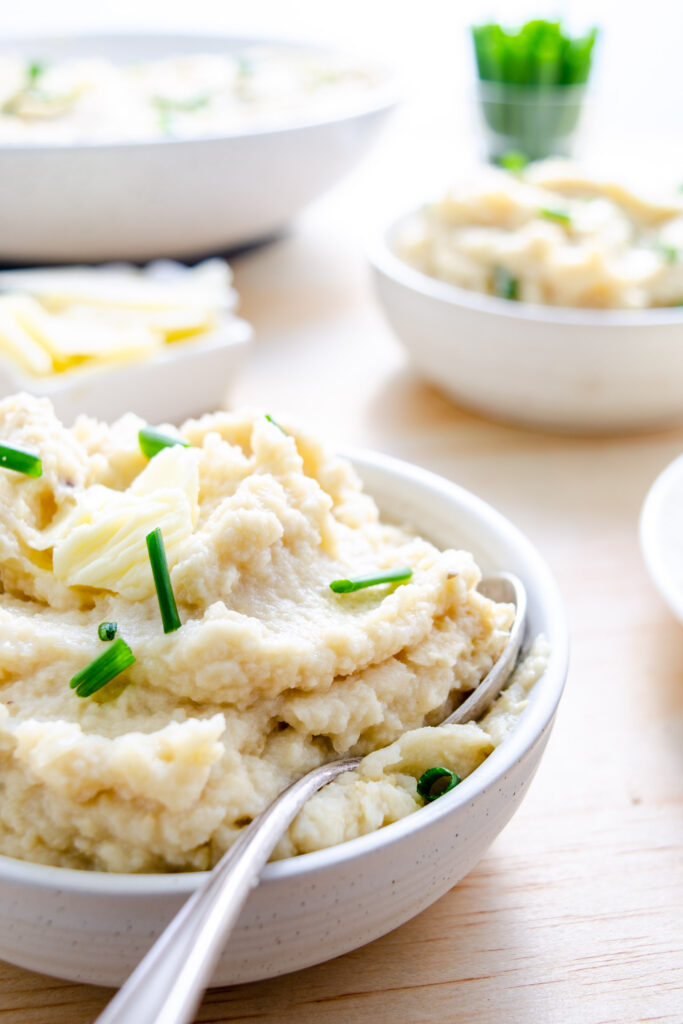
168	984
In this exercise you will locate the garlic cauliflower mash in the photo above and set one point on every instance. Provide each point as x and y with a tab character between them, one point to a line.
270	672
552	234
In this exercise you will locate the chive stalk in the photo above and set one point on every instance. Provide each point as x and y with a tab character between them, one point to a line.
276	424
558	215
102	669
354	583
504	284
435	782
162	581
20	460
107	630
152	441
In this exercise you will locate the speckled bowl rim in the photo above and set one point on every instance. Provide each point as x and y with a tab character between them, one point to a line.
385	261
381	97
533	723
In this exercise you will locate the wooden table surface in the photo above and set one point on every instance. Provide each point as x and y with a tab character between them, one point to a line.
575	914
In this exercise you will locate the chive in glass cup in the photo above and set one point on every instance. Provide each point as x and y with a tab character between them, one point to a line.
537	120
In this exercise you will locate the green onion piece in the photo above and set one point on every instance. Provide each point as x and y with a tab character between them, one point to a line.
102	669
107	630
504	284
152	441
34	69
669	253
20	461
559	215
276	424
514	161
435	782
349	586
162	581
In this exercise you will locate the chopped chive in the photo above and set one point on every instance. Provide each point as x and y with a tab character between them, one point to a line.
20	461
34	70
152	441
435	782
107	630
504	284
669	253
559	215
349	586
514	161
162	581
276	424
102	669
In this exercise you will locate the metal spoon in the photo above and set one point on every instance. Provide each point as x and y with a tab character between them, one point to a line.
168	984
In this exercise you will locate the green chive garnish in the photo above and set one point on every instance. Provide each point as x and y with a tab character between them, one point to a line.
102	669
34	69
107	630
435	782
162	581
505	285
514	161
559	215
152	441
20	461
668	253
349	586
276	424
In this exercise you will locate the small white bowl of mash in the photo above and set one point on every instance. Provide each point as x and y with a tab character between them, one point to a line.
139	146
548	297
162	341
121	787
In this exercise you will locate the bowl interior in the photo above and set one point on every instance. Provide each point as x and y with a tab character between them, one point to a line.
449	516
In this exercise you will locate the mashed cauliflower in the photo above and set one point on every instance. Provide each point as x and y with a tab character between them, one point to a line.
552	234
270	673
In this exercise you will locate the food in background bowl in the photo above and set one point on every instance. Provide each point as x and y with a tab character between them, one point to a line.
97	99
162	340
552	234
60	320
174	654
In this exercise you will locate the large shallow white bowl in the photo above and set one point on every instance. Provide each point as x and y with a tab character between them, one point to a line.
182	379
94	927
552	367
661	535
171	197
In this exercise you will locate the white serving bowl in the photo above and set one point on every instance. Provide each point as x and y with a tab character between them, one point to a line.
552	367
171	197
182	379
94	927
661	535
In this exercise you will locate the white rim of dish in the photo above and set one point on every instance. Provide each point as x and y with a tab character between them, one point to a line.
649	534
381	97
536	718
385	261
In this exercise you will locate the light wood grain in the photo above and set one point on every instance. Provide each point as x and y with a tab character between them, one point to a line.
575	914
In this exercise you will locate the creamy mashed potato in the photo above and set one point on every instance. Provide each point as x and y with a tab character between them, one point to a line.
99	100
270	673
552	234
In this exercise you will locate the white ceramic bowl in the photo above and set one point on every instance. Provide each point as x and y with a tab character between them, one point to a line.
183	379
95	927
575	370
661	535
170	197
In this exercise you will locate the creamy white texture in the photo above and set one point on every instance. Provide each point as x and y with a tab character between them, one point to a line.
185	96
270	673
552	234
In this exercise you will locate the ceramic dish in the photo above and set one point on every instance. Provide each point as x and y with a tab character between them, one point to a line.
171	197
661	535
183	379
94	927
575	370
